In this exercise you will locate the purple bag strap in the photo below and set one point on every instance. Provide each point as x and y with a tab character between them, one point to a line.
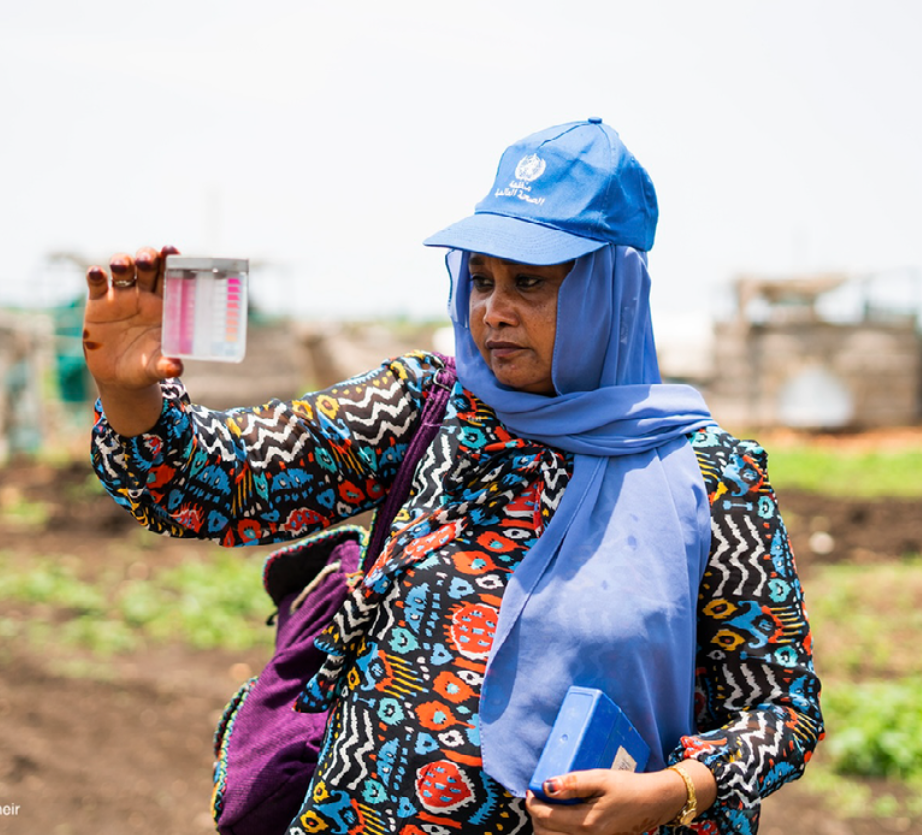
430	423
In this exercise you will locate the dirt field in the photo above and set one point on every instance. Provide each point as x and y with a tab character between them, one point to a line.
132	754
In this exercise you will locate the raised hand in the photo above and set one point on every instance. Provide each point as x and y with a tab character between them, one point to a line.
121	338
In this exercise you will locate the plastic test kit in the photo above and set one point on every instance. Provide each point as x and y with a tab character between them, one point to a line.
205	308
590	731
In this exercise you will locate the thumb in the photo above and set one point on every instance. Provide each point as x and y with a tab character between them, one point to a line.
575	785
168	367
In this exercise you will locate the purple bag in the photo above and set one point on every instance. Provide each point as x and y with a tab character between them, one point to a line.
266	752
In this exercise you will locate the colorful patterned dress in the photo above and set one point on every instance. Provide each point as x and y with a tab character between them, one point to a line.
402	751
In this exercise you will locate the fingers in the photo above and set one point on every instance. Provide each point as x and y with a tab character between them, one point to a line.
574	787
575	784
167	250
124	276
562	803
169	367
547	818
147	268
145	271
150	265
97	281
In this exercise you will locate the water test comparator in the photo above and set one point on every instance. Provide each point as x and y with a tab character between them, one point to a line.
205	308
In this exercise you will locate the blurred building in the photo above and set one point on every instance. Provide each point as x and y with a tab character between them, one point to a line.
818	352
26	357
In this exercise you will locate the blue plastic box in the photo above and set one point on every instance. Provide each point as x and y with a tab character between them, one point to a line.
590	731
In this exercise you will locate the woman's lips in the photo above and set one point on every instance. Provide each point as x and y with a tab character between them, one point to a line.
503	349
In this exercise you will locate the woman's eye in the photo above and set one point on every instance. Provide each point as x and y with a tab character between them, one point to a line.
481	282
528	282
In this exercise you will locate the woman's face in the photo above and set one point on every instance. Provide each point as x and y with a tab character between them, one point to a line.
514	319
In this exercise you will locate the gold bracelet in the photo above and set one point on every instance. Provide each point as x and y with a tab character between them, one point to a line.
687	813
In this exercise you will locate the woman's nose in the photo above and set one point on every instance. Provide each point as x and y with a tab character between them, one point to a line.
499	309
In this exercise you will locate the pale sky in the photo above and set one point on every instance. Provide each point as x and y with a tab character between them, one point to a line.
327	140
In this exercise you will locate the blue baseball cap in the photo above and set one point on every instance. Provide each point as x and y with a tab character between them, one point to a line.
559	194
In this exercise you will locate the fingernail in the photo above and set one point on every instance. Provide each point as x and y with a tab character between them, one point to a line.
551	786
118	268
169	250
145	262
95	274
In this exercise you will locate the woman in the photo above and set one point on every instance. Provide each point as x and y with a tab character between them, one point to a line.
576	521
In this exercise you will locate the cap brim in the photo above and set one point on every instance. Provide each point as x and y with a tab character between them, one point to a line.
513	239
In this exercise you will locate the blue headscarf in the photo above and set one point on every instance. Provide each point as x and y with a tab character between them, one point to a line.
607	595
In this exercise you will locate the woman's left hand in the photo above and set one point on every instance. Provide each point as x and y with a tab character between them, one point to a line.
614	802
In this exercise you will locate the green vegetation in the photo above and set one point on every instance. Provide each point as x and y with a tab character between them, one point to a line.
847	473
878	728
865	617
19	512
218	603
867	621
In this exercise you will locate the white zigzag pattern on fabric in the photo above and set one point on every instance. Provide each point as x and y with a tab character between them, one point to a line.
756	550
745	780
338	762
731	556
354	616
432	468
388	610
360	758
386	419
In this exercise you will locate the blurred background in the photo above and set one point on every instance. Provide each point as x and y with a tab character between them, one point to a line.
324	142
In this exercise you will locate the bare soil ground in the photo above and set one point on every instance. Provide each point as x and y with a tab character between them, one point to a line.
130	751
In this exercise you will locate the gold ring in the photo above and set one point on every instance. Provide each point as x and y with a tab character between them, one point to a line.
123	282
